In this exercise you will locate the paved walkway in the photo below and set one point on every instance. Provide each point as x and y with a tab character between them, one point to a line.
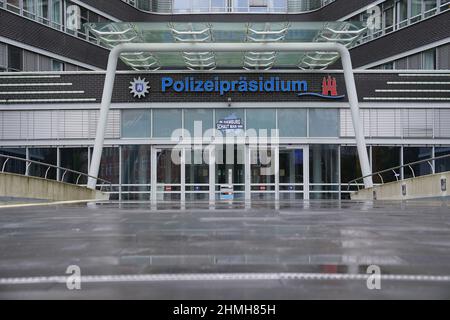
302	250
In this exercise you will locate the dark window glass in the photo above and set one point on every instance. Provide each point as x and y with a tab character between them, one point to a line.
136	171
74	159
109	165
442	165
15	59
324	171
44	155
414	154
13	166
350	166
385	158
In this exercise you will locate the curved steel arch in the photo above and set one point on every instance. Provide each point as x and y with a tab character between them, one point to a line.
229	47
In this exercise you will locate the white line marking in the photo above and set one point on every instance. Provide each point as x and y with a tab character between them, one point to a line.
423	75
34	84
221	277
41	92
405	98
411	90
29	77
416	82
48	100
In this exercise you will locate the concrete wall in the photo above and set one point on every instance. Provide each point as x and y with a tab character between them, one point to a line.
415	188
18	186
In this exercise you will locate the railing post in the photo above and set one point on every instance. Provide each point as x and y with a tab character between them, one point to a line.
46	172
4	164
414	174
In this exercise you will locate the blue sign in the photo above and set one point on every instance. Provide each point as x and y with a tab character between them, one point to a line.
243	85
216	85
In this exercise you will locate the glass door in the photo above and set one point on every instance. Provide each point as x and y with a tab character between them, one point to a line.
166	174
263	167
230	172
197	174
291	173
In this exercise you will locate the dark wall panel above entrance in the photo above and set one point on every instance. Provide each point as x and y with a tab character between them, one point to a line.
228	88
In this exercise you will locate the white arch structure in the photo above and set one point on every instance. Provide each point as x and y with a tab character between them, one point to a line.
229	47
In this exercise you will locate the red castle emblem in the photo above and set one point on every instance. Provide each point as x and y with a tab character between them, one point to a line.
329	86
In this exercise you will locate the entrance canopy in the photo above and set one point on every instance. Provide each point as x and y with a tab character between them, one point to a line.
113	34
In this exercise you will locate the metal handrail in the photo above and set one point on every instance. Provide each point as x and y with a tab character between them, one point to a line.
49	166
398	167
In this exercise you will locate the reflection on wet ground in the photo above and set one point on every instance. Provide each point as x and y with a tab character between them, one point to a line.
278	243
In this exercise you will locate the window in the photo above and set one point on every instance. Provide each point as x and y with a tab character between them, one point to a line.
323	123
44	155
143	4
350	165
442	165
109	165
261	119
218	5
195	117
74	159
165	122
29	8
57	65
3	57
240	6
429	59
292	122
416	10
385	158
13	5
42	11
388	16
14	166
430	7
413	154
402	12
15	59
136	123
56	13
258	3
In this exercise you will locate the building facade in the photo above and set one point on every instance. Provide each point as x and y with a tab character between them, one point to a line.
188	105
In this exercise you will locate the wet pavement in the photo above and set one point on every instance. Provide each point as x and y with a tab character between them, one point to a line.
5	201
302	250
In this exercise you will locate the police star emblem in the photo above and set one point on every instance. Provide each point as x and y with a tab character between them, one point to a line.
139	88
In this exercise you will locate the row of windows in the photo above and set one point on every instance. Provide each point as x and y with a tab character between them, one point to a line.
62	15
165	123
433	59
14	59
393	15
226	6
289	122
